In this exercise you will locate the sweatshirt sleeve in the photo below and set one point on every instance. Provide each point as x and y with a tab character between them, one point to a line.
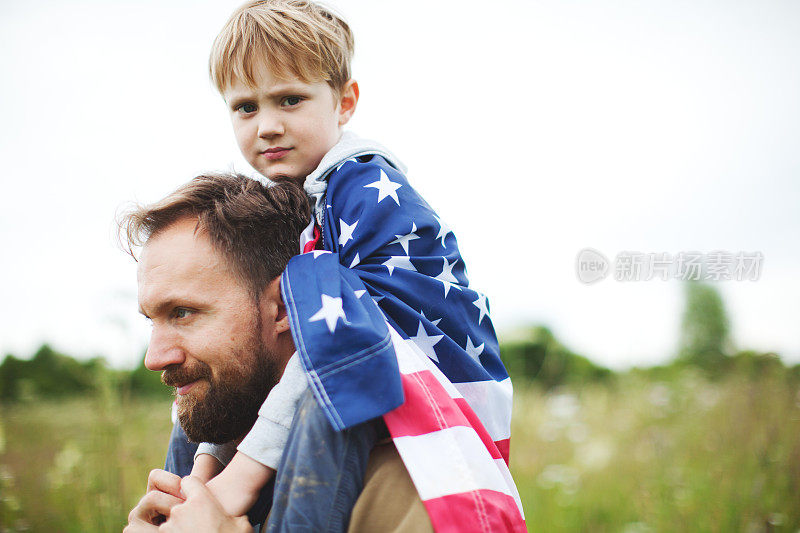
266	440
222	452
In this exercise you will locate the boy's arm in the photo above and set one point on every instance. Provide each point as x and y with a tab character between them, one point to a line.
266	440
210	459
206	467
238	486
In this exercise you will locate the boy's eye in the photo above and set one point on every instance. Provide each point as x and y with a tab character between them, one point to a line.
290	101
247	108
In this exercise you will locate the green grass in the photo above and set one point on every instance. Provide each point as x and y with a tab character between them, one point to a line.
687	455
78	465
640	455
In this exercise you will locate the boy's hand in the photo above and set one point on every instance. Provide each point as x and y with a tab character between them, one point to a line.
202	512
163	494
206	467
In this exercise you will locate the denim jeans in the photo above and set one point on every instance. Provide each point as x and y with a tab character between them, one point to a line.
320	475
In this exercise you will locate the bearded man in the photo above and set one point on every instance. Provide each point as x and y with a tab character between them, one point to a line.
209	282
237	313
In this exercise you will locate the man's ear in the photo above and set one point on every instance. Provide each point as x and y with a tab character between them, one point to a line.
273	307
348	101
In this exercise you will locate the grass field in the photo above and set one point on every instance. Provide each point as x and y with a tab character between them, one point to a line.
636	456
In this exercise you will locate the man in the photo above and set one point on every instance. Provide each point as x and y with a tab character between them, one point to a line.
225	328
209	281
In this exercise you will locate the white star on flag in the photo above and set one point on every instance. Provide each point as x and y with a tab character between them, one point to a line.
426	342
443	230
403	240
356	260
399	261
331	311
474	351
480	303
318	253
346	231
359	293
385	187
446	277
434	322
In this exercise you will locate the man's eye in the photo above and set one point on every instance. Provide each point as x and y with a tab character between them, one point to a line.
181	312
246	109
290	101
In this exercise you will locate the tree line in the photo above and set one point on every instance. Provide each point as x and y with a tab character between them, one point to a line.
537	357
52	375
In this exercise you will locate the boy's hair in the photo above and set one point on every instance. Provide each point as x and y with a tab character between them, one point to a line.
256	228
296	37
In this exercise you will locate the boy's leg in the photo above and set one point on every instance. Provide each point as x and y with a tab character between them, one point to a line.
321	472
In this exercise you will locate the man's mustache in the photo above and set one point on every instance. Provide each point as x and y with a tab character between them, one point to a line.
181	375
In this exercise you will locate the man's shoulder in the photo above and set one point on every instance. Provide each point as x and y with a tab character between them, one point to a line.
389	500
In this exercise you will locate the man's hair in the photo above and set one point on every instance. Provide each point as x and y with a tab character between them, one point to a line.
256	228
296	37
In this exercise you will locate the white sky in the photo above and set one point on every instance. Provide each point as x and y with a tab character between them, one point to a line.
534	128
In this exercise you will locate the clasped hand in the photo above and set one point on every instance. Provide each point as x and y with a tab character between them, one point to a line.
172	504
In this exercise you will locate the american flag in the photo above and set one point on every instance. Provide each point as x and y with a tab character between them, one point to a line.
386	324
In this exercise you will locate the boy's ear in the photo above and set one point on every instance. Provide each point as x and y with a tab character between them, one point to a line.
348	101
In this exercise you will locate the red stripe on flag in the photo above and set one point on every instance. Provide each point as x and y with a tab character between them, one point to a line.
312	244
475	422
505	448
478	510
428	408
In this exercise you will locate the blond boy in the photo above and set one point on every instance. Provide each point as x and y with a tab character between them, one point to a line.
283	69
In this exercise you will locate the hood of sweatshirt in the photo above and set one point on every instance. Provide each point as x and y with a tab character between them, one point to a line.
349	146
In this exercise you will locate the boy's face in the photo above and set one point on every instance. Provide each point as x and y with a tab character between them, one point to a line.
285	126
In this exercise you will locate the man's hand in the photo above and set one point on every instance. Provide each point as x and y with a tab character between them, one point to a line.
163	493
202	512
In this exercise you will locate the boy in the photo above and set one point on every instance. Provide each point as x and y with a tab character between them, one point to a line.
283	68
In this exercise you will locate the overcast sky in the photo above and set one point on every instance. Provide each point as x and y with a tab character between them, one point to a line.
534	128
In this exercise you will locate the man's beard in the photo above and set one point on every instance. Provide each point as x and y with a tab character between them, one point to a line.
231	402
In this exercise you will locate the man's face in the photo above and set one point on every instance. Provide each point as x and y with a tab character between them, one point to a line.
207	336
284	126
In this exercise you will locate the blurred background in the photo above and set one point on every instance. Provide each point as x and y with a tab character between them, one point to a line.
536	130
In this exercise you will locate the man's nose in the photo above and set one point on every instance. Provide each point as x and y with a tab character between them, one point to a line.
269	124
164	350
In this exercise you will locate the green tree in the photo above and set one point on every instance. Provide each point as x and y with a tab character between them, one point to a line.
539	357
705	328
146	382
12	371
48	374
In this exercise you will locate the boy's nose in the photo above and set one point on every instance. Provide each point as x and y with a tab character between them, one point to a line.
269	126
163	351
